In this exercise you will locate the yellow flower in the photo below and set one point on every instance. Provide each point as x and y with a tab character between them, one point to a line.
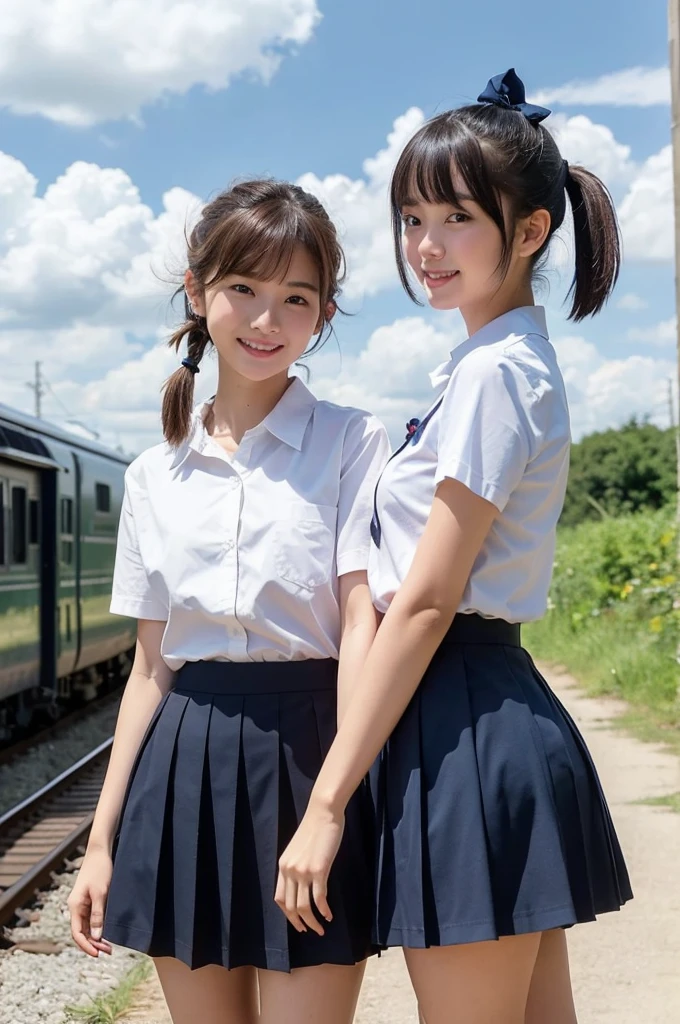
653	565
655	624
628	589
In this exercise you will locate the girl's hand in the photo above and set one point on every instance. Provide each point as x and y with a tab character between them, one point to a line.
88	900
305	865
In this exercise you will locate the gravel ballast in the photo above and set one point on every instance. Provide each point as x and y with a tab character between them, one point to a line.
35	987
28	772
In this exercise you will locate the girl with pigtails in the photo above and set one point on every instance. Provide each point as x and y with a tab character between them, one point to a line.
242	550
493	832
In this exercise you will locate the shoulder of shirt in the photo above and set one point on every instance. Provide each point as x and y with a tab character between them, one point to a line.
353	419
530	355
158	457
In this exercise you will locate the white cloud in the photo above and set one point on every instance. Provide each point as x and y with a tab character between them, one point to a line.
390	376
89	249
606	392
593	145
646	213
661	334
631	87
82	61
360	209
632	302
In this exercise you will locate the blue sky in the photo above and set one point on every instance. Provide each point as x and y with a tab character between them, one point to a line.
131	102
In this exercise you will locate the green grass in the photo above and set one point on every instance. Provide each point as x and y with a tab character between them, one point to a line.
672	800
110	1006
614	618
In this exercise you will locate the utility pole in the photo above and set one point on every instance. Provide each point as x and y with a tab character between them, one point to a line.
38	390
674	44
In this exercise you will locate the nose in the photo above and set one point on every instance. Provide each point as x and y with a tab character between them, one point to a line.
265	321
430	246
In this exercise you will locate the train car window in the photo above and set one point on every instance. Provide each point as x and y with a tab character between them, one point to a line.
67	528
102	497
33	522
67	515
19	532
2	522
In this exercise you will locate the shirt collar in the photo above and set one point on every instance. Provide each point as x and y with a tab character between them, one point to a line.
287	421
518	322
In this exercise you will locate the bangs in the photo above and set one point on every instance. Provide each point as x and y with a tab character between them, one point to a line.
260	242
426	169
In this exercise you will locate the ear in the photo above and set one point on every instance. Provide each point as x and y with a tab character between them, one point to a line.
532	232
194	293
330	311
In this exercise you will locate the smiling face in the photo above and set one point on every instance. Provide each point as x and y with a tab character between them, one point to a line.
454	251
261	328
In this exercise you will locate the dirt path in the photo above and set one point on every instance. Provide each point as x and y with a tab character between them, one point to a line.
626	968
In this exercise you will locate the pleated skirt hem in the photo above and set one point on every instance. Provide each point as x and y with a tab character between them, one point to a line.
491	820
220	784
264	959
483	931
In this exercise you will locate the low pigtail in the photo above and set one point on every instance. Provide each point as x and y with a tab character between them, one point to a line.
597	243
178	390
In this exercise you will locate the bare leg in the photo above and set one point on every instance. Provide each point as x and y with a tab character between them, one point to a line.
327	994
478	983
550	995
211	995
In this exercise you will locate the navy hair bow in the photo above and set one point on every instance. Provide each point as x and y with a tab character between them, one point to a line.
508	91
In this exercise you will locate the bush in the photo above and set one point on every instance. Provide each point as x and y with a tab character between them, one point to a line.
614	614
620	471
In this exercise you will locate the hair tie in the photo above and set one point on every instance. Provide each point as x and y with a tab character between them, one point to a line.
563	176
191	364
508	91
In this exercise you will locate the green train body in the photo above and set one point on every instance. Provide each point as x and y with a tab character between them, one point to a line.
60	499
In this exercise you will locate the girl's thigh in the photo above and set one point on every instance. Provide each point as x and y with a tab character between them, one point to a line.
477	983
550	995
327	994
209	995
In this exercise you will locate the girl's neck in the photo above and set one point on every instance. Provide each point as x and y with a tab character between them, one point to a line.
503	301
240	404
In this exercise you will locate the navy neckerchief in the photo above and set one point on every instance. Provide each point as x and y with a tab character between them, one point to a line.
414	433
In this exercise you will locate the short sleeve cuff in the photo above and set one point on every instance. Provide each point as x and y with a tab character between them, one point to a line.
138	609
355	560
460	471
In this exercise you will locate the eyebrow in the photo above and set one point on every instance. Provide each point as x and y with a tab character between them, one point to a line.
302	284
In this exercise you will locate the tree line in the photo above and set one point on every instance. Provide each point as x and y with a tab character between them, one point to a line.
617	471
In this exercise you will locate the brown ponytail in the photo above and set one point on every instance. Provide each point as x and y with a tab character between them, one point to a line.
597	243
253	230
178	390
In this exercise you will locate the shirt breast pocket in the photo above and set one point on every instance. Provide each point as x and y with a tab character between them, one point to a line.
305	544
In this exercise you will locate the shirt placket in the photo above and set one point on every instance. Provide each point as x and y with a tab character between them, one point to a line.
237	635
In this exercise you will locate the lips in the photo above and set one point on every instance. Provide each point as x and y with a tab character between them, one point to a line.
257	348
439	278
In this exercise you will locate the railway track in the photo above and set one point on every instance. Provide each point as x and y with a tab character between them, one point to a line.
38	834
51	732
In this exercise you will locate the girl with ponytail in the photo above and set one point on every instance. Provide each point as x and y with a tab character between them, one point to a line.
493	832
242	551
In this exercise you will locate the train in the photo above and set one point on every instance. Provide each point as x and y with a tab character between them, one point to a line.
60	500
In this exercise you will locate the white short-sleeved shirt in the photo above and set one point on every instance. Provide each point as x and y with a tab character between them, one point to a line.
241	553
500	426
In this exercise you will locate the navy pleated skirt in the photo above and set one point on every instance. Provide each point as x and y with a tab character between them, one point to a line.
491	817
220	784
